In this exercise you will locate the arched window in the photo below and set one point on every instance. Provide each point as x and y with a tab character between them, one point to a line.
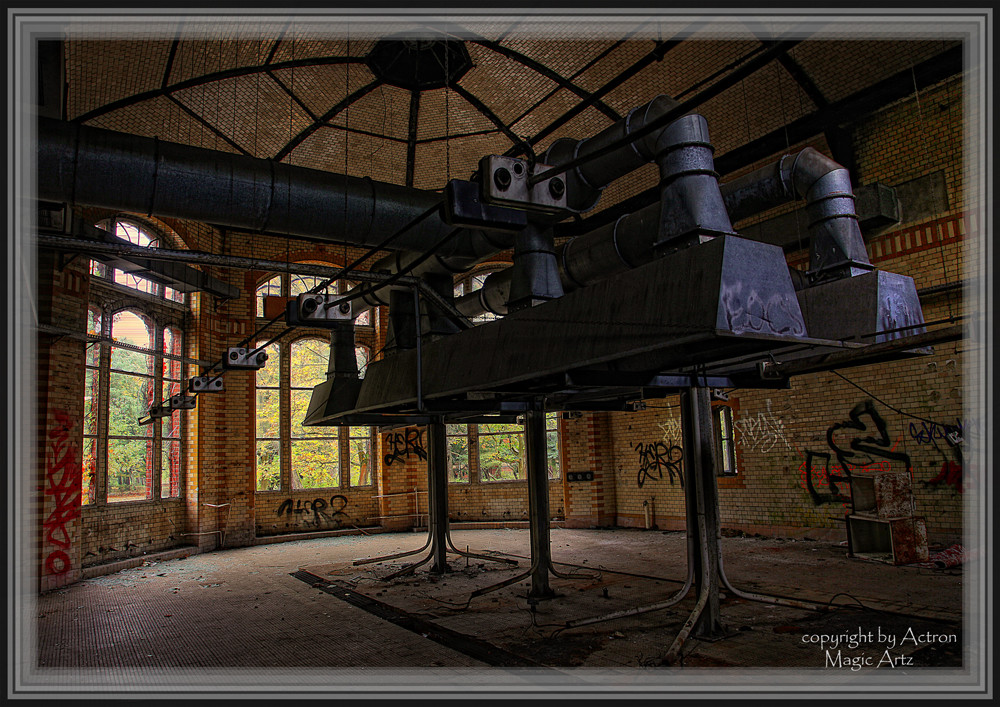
280	288
291	456
138	234
133	360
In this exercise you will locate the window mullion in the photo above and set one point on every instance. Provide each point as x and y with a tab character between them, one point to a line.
103	402
473	432
157	460
285	415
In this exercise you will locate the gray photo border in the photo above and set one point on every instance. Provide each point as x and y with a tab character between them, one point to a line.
26	24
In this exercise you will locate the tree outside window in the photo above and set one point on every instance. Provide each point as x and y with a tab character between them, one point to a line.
132	361
458	453
268	423
130	394
315	451
497	452
312	457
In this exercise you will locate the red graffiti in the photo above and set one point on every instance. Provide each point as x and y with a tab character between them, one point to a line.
951	474
818	472
64	482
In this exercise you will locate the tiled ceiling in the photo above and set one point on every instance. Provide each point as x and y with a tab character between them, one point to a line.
316	100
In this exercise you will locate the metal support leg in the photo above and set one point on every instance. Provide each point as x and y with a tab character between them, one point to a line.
702	506
538	504
437	485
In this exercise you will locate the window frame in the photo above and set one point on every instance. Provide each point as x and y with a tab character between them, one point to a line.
109	298
724	414
473	453
343	437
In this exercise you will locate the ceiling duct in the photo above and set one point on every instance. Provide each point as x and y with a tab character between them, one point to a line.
836	246
78	164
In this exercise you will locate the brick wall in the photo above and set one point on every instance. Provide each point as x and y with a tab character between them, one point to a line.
782	435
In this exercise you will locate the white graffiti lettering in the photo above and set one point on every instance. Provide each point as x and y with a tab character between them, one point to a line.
762	432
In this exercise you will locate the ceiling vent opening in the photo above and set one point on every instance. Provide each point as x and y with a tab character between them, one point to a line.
419	64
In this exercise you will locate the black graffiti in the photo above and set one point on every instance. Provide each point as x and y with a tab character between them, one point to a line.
657	456
321	510
402	445
822	475
880	447
874	452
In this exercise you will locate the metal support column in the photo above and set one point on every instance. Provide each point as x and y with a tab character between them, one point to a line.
437	493
538	504
702	499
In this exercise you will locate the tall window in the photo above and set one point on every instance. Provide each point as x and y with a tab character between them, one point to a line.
134	363
268	413
91	406
315	451
170	427
291	456
725	446
123	377
130	394
497	452
458	453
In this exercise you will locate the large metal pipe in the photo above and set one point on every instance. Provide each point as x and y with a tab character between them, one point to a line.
584	186
690	209
79	164
585	182
837	247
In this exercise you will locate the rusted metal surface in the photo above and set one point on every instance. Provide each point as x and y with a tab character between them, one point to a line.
882	495
901	541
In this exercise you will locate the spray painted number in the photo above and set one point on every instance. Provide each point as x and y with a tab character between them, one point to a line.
318	507
657	456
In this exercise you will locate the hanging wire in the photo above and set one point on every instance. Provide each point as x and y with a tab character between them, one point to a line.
888	405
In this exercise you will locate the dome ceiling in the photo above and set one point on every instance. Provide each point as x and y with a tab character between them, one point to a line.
420	104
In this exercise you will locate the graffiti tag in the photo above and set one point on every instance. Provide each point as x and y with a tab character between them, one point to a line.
869	453
401	446
64	482
322	511
657	456
761	433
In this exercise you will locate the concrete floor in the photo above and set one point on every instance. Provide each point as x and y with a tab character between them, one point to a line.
300	616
